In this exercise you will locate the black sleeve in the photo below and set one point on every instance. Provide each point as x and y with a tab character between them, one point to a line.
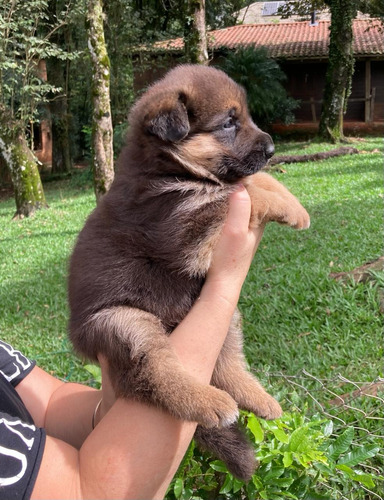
21	451
14	366
21	442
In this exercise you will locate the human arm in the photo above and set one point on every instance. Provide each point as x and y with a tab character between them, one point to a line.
135	449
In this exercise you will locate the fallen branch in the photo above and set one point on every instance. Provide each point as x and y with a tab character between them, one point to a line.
346	150
362	273
365	390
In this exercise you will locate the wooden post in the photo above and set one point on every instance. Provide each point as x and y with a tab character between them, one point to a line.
313	110
368	114
373	95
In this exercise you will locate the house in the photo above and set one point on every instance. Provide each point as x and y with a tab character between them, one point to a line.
269	12
301	48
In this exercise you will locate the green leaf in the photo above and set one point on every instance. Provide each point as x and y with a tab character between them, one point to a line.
328	429
280	435
95	371
227	486
251	490
341	444
257	482
178	487
237	485
361	477
298	440
287	459
365	479
312	495
218	466
187	494
274	473
359	455
350	472
283	482
254	426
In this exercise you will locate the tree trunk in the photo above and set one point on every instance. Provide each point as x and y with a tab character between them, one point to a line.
58	104
339	71
195	38
29	193
102	132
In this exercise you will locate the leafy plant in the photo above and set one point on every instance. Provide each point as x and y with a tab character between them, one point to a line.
24	43
263	80
299	458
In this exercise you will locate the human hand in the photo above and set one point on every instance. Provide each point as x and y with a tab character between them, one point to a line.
236	247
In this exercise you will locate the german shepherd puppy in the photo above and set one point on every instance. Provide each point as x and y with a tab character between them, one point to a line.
142	257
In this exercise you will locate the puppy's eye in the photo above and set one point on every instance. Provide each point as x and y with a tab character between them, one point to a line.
229	123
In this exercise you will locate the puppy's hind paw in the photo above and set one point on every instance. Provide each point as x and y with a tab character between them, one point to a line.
268	408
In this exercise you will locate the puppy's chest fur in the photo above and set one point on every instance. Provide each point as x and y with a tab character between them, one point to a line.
148	247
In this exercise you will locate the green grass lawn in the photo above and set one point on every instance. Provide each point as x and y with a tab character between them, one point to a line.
295	316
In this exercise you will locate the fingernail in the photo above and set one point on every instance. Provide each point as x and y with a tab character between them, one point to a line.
239	187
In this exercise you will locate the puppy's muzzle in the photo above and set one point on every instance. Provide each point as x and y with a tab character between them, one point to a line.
269	148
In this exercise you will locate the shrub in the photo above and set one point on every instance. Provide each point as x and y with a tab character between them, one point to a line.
263	80
300	458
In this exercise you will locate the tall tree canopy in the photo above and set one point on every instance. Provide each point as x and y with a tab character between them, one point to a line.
53	32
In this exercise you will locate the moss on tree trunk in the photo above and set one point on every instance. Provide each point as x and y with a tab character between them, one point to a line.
339	71
22	165
195	38
102	132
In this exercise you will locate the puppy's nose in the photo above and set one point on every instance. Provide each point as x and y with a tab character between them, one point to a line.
269	150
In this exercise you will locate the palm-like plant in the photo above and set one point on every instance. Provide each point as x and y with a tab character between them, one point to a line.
263	79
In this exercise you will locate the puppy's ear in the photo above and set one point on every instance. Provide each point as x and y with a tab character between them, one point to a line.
168	118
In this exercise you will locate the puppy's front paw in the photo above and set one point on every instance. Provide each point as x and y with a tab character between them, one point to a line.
297	217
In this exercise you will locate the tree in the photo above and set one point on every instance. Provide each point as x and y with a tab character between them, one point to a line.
57	69
102	132
340	59
195	37
22	166
21	89
340	69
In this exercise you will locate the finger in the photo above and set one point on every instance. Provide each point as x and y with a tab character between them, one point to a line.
239	211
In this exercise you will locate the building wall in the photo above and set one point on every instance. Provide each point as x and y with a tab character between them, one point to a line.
253	14
306	81
377	82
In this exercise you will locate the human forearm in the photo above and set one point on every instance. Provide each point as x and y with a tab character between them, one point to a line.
69	413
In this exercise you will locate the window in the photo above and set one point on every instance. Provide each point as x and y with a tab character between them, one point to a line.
270	8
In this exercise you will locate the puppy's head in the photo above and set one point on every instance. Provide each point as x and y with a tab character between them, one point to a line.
198	117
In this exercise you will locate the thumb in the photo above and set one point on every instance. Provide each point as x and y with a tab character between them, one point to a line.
239	210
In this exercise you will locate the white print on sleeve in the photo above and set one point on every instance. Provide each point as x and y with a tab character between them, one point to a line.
6	481
23	442
20	362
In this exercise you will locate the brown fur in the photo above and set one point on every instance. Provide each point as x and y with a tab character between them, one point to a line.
141	259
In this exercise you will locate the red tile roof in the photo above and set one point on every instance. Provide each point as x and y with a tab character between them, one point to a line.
296	40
